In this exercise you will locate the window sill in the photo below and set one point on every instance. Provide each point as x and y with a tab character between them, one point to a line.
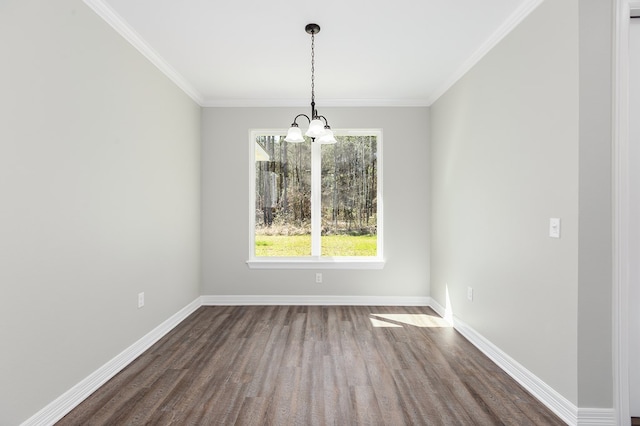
328	263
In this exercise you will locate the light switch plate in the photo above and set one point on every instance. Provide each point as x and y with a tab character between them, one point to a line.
554	227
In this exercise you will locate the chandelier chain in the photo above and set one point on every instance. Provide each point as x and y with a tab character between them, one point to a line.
313	95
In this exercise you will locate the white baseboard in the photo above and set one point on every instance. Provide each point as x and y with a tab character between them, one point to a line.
596	417
561	406
232	300
66	402
549	397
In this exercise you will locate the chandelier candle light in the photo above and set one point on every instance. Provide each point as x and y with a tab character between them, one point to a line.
319	129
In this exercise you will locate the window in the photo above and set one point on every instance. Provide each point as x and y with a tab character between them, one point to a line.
315	205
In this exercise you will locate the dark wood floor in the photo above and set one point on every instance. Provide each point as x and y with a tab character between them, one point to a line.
312	365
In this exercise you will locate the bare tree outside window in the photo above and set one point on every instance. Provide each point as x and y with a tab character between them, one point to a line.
349	197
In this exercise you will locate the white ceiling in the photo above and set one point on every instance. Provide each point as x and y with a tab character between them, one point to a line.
368	52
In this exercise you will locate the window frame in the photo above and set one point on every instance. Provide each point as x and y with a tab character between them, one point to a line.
316	261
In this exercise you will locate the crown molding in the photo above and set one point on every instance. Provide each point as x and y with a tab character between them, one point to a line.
118	23
512	22
326	103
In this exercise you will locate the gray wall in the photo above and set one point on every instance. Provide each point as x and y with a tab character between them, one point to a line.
99	179
225	199
505	149
525	136
595	363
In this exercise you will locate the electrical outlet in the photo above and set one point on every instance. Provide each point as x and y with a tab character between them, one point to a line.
318	277
470	293
140	299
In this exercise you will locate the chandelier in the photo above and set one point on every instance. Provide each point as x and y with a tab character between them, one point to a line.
319	129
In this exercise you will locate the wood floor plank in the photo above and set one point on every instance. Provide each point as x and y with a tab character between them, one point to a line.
312	365
222	408
365	406
309	408
382	383
253	411
148	405
337	408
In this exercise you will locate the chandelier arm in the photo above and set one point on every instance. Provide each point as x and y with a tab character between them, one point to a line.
301	115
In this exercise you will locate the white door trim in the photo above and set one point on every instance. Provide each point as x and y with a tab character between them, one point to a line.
621	207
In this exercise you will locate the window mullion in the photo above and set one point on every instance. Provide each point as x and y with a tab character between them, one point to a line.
316	198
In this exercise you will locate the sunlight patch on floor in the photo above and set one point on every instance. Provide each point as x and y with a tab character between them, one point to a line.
399	320
379	323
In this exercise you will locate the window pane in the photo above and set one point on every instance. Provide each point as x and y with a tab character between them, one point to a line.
283	194
349	197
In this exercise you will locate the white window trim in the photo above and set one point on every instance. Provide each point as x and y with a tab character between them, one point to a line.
315	261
